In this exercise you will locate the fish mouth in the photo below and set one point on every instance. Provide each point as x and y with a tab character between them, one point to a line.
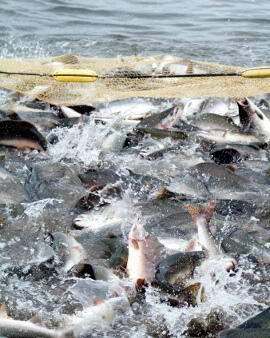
244	102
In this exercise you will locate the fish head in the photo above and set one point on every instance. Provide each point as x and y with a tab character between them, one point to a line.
141	255
250	115
137	236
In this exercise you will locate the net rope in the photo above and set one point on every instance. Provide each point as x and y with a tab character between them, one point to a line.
124	77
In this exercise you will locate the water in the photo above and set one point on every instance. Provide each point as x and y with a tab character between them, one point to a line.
228	32
232	32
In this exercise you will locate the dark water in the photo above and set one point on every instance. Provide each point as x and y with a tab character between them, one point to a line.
231	32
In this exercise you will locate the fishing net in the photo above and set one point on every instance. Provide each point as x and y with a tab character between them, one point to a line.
125	77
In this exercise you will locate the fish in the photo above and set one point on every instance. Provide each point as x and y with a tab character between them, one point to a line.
163	120
99	176
217	106
21	135
255	327
251	117
18	328
239	241
192	108
144	251
104	219
229	136
161	124
217	177
212	121
114	141
169	269
247	333
134	108
202	216
261	320
100	315
163	133
69	112
69	251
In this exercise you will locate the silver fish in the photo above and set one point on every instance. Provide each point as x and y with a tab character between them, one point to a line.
99	315
201	217
252	117
228	137
18	328
69	251
144	251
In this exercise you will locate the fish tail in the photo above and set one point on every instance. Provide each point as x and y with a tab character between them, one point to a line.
206	211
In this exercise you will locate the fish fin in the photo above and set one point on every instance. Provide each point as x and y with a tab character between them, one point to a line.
164	193
140	282
230	166
3	311
205	211
97	301
36	320
111	234
259	115
140	285
193	291
135	244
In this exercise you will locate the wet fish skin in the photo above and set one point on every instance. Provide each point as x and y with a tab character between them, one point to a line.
21	134
99	315
220	136
192	107
164	120
162	133
114	141
238	241
180	263
131	108
202	216
254	118
69	251
144	252
262	320
211	121
245	333
18	328
217	177
217	106
257	327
